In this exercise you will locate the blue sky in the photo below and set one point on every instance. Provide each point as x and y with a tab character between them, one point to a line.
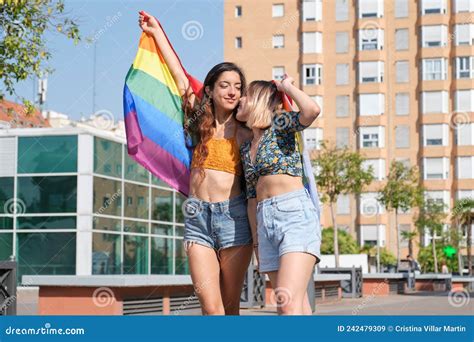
114	27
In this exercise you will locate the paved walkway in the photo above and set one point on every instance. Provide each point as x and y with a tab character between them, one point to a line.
421	303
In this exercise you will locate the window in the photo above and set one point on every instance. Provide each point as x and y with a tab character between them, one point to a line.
312	42
278	41
464	100
312	74
278	72
342	74
402	70
112	189
342	137
464	34
370	8
313	137
434	69
343	205
278	10
463	6
342	10
47	154
135	171
238	11
401	39
371	72
161	255
371	39
434	36
370	233
439	196
465	67
372	137
435	135
371	104
433	6
134	208
369	205
342	106
378	167
435	102
312	10
238	42
465	167
402	136
402	103
464	134
436	168
342	42
401	8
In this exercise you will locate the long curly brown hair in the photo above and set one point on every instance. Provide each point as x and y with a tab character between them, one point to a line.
200	119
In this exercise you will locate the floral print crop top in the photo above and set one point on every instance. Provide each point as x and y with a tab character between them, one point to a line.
277	151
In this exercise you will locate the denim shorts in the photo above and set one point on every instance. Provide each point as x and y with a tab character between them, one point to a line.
287	223
216	224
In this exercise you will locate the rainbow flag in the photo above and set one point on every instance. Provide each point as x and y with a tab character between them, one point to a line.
154	117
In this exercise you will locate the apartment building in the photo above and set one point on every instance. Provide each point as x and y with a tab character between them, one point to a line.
394	79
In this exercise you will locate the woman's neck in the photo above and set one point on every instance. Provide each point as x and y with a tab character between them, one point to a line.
257	133
223	117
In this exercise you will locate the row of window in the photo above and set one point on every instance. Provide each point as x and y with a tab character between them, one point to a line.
312	9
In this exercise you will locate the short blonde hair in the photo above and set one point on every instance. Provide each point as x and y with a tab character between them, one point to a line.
263	99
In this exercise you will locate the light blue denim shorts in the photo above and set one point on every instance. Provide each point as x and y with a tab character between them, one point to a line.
287	223
216	224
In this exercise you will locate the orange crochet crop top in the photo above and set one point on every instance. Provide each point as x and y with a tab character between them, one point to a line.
224	155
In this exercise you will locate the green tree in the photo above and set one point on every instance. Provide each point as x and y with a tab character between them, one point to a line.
23	51
430	219
463	214
426	259
346	241
339	172
400	193
409	236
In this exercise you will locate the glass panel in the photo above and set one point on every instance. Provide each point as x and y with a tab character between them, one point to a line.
179	230
179	208
47	194
106	253
159	182
6	222
6	195
135	227
181	266
105	223
47	154
46	253
6	246
107	196
136	201
162	205
135	171
46	222
135	254
161	229
161	256
107	157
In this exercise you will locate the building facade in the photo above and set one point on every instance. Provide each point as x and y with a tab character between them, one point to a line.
73	202
394	79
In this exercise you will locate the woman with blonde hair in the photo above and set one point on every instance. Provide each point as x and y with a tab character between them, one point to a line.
288	236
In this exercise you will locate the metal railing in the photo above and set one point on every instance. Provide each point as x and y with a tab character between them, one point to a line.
7	288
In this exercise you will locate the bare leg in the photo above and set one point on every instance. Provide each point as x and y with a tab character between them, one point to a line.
234	262
204	269
293	276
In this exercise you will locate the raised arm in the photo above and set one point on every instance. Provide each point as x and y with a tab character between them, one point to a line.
150	25
309	110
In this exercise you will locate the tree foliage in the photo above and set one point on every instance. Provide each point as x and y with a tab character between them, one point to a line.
346	241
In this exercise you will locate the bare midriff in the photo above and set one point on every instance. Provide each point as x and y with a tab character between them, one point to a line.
217	186
274	185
